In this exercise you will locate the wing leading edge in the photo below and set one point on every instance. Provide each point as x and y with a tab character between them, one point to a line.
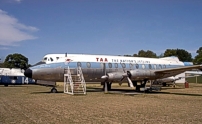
178	70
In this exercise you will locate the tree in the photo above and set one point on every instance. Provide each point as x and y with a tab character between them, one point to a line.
147	53
127	55
135	55
198	58
1	65
161	55
16	61
1	62
183	55
170	52
143	53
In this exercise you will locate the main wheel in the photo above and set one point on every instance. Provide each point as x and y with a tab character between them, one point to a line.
54	90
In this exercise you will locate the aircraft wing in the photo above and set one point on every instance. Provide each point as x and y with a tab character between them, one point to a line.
178	70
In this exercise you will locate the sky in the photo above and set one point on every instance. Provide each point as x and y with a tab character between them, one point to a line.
35	28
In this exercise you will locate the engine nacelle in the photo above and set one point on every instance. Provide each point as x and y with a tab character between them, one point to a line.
115	76
142	74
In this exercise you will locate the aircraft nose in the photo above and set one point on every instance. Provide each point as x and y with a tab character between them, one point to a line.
28	73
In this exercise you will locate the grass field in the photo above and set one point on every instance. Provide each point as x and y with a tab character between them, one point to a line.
34	104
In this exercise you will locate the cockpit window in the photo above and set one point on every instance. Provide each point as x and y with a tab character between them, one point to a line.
57	58
44	59
51	59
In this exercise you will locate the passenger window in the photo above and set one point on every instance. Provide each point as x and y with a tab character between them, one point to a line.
123	65
137	66
131	65
164	66
110	65
155	66
79	64
160	66
88	64
150	67
116	65
143	66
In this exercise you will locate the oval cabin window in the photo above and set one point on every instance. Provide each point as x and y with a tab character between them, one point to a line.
116	65
150	67
131	65
123	65
110	65
143	66
155	66
88	64
137	66
160	66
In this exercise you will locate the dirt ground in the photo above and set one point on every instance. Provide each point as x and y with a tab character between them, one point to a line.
35	104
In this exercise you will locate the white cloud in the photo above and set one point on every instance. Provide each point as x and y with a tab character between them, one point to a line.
4	48
12	31
18	1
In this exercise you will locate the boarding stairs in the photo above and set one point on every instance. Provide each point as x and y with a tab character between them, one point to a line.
74	83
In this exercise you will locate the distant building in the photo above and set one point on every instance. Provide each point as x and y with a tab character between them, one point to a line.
194	77
14	77
190	76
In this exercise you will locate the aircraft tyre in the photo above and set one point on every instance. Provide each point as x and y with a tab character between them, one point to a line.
138	88
164	84
142	85
54	90
109	85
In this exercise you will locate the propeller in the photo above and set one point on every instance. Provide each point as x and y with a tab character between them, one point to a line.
126	75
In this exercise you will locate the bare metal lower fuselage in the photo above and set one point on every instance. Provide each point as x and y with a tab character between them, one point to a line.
90	75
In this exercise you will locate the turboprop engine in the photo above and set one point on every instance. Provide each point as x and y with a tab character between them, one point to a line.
132	74
114	76
142	74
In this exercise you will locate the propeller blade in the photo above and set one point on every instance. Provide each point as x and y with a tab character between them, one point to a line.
130	82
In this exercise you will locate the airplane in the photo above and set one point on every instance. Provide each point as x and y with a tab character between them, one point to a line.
108	69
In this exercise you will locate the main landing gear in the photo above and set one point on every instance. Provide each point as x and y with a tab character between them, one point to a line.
106	86
140	85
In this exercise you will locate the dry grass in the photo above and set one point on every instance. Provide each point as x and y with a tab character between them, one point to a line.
34	104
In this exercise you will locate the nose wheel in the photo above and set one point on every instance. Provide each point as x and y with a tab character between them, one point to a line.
54	90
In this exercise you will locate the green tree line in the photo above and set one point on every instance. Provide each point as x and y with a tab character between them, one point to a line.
182	54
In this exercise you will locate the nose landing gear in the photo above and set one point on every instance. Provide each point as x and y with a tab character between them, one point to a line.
54	90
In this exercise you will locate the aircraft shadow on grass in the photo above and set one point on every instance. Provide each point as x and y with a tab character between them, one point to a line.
124	91
183	94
